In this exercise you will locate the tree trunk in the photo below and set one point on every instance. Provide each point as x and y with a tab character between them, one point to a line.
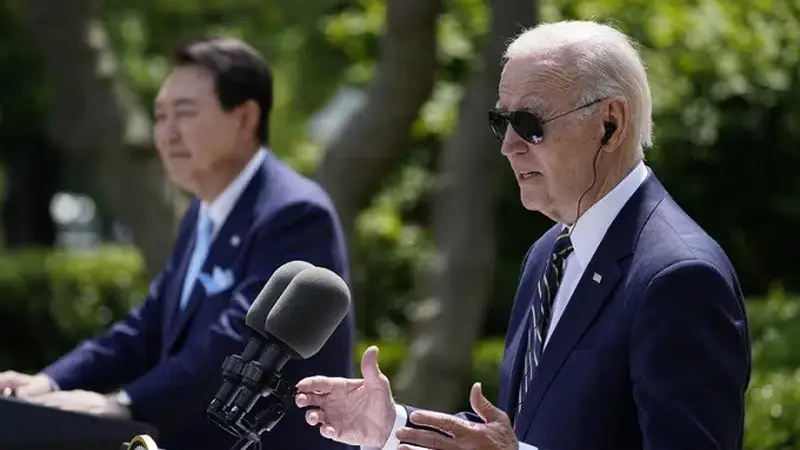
460	279
356	163
97	119
32	176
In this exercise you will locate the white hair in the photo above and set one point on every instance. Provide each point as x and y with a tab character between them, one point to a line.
606	61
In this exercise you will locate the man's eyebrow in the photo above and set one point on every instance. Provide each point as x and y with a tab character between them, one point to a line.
182	101
536	103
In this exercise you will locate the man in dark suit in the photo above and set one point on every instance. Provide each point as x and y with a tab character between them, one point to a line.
628	330
161	364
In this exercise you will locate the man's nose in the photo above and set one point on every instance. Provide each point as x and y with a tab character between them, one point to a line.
512	143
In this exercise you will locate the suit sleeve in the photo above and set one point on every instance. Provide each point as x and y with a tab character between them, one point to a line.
190	378
125	351
119	354
690	360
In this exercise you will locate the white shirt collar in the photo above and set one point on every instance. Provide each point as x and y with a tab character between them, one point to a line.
221	207
591	227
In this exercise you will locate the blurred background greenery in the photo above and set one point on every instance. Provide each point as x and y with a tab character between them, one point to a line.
86	216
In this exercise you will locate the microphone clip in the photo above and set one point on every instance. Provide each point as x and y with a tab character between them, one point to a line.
255	383
282	394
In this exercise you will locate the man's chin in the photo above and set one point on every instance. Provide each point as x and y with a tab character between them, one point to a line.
182	180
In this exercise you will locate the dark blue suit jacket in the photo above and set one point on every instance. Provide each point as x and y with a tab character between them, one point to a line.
170	361
656	356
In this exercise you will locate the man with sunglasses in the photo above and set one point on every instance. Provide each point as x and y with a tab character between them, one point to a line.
628	329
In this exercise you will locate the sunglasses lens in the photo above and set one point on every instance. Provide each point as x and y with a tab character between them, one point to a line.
498	125
528	126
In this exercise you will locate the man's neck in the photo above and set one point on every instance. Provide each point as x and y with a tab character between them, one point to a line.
613	176
222	176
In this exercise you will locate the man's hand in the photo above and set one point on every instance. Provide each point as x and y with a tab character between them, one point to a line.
24	385
495	434
351	411
83	401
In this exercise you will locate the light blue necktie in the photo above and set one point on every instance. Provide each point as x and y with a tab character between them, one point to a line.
205	229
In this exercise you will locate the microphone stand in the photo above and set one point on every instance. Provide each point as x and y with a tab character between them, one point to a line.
282	393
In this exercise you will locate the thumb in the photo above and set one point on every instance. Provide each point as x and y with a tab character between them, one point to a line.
369	364
482	406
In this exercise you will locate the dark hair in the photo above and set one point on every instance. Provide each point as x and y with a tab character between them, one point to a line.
240	73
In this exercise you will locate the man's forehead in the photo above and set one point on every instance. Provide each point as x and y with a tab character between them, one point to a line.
533	84
184	85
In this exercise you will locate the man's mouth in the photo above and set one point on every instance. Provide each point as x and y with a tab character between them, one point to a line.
527	175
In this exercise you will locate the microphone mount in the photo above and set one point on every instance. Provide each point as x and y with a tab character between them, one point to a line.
256	382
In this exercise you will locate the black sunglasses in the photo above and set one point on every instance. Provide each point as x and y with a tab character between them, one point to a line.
527	124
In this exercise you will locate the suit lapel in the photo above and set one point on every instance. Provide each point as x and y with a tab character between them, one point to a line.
175	285
590	295
226	246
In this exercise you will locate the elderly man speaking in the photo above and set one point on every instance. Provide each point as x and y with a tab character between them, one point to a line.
628	330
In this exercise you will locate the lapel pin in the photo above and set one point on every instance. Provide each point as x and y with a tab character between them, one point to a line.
597	278
235	240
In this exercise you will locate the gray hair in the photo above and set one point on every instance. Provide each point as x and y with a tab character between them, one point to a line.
606	63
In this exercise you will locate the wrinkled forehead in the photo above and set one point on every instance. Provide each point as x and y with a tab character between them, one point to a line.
540	84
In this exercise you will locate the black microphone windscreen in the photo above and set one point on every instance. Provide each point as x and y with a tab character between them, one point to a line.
309	311
272	291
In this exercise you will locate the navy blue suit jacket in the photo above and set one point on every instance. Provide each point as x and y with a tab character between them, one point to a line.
170	361
656	356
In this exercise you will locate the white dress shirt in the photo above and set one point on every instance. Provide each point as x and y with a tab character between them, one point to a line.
587	233
221	207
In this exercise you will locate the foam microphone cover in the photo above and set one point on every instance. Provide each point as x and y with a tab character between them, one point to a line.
272	291
310	309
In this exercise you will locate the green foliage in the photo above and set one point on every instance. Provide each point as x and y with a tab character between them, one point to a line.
52	300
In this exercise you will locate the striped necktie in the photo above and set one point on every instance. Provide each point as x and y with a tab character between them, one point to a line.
540	312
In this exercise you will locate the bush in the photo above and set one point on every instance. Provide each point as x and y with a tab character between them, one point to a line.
53	300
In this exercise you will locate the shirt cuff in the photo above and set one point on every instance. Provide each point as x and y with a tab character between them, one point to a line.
524	446
400	420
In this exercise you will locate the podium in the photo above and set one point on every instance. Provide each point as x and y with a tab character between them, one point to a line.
25	426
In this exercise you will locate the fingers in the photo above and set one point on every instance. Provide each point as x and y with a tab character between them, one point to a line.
482	406
32	390
10	380
369	364
317	385
424	439
306	400
448	424
315	417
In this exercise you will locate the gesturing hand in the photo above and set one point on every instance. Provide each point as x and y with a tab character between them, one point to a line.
496	434
351	411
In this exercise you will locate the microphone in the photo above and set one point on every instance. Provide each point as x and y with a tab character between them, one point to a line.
256	317
305	316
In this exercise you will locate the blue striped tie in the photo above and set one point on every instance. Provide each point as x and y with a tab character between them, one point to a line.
540	312
205	229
